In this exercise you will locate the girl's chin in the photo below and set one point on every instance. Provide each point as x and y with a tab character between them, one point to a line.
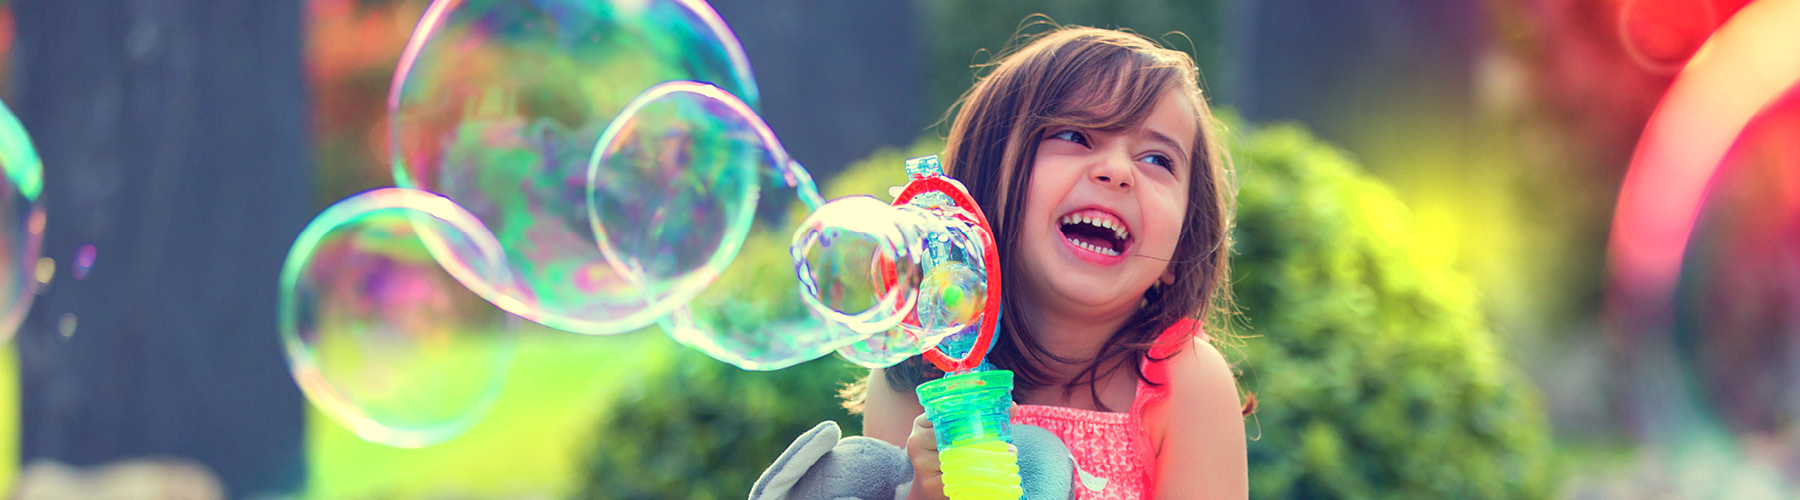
1089	298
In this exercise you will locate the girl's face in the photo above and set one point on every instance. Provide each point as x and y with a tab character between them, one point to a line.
1098	198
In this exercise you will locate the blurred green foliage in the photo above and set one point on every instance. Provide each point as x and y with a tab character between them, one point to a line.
961	34
701	429
1376	374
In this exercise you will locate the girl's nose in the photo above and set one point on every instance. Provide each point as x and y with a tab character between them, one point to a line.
1112	171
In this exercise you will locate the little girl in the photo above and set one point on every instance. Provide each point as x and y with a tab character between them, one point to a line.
1095	158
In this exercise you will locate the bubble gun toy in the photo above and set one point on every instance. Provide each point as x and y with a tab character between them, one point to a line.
944	249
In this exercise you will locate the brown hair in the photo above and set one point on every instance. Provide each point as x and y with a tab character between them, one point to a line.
1094	79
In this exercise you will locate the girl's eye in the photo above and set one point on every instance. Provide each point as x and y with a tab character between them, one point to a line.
1160	161
1071	136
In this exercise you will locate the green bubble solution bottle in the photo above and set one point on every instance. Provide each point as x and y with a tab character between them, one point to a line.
971	413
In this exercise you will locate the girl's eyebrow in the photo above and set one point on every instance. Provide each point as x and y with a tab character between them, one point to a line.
1159	137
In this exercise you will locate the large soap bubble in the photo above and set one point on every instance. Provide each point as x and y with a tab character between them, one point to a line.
21	222
380	336
498	105
674	186
695	201
1736	307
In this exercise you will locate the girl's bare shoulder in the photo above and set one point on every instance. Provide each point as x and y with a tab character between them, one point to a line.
1202	371
1200	434
1200	383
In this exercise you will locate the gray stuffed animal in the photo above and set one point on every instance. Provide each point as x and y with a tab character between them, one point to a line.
821	466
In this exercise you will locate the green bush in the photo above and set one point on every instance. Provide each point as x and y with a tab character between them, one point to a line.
1376	375
702	429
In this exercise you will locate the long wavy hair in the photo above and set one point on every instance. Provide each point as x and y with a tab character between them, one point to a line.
1094	79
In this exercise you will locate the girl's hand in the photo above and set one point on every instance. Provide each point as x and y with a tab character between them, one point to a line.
921	449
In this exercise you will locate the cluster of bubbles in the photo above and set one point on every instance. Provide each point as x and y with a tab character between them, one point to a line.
597	168
498	104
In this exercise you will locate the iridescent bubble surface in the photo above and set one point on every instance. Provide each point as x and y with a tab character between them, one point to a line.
696	203
673	190
856	263
383	339
499	105
21	222
938	273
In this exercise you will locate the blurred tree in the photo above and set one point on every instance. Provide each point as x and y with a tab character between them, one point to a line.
1376	374
961	34
837	79
702	429
352	47
173	139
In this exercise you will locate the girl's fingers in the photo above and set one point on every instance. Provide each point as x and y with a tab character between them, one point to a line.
932	487
922	422
921	448
923	435
927	466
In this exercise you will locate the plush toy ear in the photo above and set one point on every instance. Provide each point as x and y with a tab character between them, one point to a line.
795	461
859	468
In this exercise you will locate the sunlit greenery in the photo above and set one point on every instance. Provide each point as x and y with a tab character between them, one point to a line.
1377	374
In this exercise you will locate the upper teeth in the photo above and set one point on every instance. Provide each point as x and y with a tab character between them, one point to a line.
1118	229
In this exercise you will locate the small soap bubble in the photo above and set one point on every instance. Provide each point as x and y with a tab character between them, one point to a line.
380	336
46	269
84	261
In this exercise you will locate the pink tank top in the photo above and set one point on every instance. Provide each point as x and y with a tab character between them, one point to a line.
1114	458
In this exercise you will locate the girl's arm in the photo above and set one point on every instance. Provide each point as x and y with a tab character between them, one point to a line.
1201	451
897	417
888	414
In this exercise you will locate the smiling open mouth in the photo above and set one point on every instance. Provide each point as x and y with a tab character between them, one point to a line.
1096	231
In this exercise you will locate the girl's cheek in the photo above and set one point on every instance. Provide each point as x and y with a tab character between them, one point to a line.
1060	147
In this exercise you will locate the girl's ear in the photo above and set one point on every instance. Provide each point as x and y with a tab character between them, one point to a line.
1168	277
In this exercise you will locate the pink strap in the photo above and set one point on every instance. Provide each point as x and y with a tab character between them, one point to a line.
1156	372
